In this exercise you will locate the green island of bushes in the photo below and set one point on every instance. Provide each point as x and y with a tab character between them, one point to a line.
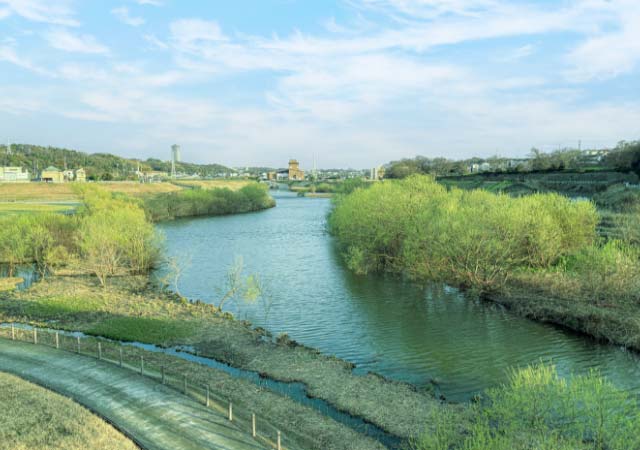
112	233
539	254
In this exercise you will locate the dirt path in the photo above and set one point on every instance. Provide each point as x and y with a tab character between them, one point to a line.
154	416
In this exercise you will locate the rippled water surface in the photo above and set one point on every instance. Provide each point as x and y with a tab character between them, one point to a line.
382	324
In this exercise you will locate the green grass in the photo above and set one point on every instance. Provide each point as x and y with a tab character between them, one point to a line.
13	208
8	284
35	418
63	306
143	329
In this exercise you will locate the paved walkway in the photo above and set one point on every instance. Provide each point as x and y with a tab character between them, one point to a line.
154	416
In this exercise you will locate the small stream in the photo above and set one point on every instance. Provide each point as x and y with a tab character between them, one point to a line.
27	272
294	391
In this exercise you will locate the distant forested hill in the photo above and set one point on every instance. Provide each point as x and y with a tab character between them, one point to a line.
103	166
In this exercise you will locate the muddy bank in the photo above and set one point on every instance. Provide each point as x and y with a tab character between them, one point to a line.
396	407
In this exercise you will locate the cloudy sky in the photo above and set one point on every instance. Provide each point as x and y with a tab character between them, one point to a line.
355	82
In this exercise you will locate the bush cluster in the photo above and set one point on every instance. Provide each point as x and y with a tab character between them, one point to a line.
538	409
200	202
44	239
472	239
109	235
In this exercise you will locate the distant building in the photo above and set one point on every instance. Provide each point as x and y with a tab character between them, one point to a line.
153	176
13	175
81	175
376	173
294	173
52	175
67	175
594	157
480	167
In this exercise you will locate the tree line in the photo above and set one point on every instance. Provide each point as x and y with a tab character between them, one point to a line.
624	157
99	166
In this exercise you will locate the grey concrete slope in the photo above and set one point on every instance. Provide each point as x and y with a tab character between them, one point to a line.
154	416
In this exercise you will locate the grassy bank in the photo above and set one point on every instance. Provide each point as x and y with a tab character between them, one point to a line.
8	284
60	192
130	310
17	208
33	417
568	182
232	185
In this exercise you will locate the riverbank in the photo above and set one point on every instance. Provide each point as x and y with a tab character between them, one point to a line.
539	254
613	324
131	310
207	200
8	284
35	417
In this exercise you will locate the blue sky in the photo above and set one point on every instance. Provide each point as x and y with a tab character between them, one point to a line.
354	82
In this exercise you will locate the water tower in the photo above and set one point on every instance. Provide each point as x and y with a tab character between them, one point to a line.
175	153
175	158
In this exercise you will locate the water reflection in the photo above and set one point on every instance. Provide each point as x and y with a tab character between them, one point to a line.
27	272
402	330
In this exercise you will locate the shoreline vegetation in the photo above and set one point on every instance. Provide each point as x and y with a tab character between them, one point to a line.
199	200
538	254
111	233
98	260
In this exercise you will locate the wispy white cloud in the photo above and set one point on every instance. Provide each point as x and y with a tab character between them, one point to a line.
155	42
123	15
612	51
67	41
518	53
8	54
149	2
430	8
57	12
192	32
375	86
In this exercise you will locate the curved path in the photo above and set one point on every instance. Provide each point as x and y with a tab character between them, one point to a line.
154	416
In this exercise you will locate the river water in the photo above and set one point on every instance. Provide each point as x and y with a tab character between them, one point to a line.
421	335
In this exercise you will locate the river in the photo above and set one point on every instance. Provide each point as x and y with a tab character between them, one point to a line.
421	335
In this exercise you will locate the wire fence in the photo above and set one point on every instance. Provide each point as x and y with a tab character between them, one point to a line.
237	412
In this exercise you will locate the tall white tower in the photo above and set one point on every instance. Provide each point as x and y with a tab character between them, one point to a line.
175	157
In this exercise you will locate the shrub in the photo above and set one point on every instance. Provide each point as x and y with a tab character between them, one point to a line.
200	202
608	272
537	409
468	238
114	235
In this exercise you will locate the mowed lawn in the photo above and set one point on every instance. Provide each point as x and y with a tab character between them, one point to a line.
35	418
10	208
64	192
